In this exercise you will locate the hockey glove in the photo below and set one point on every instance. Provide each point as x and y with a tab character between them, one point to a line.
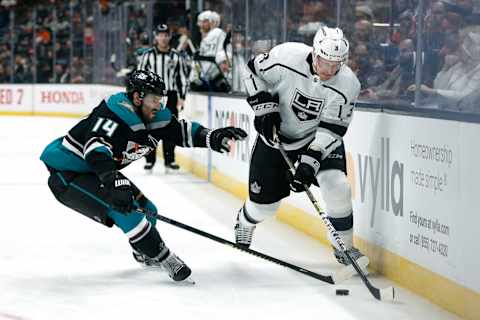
119	191
218	139
303	175
306	173
267	115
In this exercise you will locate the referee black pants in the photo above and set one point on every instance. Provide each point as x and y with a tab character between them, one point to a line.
168	146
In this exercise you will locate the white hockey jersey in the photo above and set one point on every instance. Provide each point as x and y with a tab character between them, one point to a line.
313	111
209	46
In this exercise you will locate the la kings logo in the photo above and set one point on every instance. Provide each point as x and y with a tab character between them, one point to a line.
306	108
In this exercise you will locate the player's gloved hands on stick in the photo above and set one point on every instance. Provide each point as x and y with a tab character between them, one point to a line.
265	125
304	174
267	115
218	139
119	191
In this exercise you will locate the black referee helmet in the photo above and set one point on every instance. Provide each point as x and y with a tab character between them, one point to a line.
161	28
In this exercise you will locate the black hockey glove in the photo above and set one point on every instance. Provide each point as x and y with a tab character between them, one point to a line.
304	174
267	115
218	139
119	191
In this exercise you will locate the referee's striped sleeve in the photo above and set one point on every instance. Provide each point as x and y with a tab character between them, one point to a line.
181	80
144	61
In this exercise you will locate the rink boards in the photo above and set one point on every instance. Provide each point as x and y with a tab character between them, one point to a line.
414	183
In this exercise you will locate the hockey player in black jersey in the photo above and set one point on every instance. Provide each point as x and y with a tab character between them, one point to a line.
305	94
85	164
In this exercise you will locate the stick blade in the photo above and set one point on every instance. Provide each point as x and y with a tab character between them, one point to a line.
387	294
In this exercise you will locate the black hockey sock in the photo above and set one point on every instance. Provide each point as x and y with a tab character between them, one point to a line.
151	245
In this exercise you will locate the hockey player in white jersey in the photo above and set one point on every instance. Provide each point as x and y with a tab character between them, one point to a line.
305	94
213	39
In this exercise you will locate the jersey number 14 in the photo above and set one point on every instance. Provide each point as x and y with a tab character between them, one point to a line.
107	125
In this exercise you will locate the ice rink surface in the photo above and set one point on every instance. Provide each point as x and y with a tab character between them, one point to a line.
57	264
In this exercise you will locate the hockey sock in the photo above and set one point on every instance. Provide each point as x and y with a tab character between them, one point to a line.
149	243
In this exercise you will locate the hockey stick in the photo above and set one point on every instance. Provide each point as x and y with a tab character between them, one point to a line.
334	278
385	294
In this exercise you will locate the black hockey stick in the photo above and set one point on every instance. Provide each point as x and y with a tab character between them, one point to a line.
332	279
385	294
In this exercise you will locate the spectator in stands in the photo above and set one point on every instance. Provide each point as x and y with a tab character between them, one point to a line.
363	11
367	67
22	72
470	103
405	30
315	14
438	25
401	6
4	76
394	87
77	72
458	78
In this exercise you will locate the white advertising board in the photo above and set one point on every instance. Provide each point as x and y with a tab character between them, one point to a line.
53	98
70	98
233	112
16	97
412	190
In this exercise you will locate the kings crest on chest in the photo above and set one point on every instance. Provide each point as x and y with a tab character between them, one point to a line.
306	108
134	152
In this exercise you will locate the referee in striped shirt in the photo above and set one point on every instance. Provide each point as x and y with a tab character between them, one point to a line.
167	63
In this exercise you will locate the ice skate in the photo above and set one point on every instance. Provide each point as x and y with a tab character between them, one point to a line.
176	268
243	233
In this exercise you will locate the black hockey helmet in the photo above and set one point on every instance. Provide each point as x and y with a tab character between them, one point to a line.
144	82
161	28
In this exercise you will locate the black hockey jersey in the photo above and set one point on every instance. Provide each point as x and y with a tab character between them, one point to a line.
113	135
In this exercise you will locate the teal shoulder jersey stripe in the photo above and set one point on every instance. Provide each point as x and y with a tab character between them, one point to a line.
56	156
161	119
163	115
123	108
195	126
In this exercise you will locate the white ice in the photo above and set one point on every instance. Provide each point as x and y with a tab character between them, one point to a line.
57	264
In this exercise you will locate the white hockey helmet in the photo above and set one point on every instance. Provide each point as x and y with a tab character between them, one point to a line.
330	44
215	19
204	16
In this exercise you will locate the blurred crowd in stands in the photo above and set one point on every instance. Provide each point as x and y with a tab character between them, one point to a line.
38	44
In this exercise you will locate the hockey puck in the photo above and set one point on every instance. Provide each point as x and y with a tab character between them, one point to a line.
342	292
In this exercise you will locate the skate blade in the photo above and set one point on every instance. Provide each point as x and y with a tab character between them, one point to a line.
346	272
184	283
188	281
